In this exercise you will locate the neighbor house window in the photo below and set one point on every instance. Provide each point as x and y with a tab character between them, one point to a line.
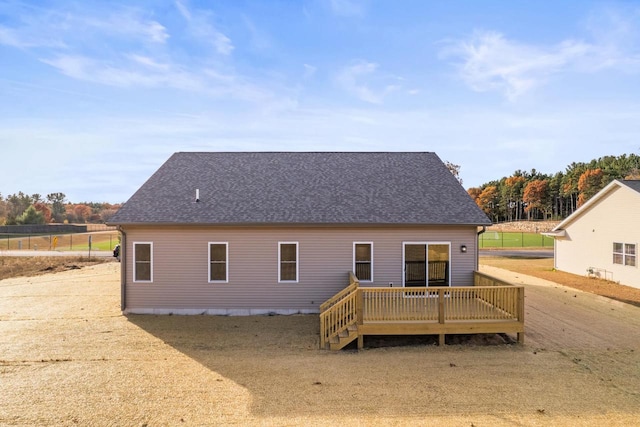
624	254
143	262
288	262
363	261
218	262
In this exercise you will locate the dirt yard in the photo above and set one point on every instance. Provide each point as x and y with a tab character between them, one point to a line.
69	357
543	269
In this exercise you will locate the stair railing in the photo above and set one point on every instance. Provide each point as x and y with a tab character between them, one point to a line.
339	312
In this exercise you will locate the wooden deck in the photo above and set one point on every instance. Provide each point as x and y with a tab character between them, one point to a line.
490	306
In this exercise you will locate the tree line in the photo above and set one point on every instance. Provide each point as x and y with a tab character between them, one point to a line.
537	196
21	208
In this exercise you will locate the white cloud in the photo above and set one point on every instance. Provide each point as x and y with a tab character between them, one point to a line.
200	26
359	78
492	62
148	62
489	61
125	74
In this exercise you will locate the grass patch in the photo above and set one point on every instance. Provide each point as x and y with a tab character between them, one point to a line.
100	241
513	239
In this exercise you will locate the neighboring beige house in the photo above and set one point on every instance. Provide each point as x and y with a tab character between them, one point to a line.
255	233
601	238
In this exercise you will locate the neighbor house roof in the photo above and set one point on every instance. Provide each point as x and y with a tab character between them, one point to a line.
301	188
632	186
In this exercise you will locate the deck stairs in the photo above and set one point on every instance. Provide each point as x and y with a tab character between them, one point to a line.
339	318
344	338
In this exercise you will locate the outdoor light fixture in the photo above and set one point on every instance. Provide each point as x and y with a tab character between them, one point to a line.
463	248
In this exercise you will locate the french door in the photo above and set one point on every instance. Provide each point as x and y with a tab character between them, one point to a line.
426	263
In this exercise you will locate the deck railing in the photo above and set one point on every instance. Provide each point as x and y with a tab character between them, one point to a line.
440	304
339	312
490	305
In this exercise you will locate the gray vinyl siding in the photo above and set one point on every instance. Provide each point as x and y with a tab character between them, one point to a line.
180	263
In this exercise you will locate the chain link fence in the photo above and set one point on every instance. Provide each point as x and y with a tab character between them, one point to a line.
513	239
100	241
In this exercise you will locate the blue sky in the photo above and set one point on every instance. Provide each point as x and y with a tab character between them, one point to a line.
95	96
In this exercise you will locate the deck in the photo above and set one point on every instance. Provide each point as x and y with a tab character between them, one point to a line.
490	306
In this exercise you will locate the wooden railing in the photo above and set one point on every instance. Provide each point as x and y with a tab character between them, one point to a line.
440	304
339	312
491	305
353	284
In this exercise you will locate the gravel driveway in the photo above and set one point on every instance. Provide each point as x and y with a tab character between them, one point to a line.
69	357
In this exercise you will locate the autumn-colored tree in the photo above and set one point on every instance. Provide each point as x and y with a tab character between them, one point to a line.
633	174
536	196
82	213
107	214
512	196
44	210
591	181
488	201
474	192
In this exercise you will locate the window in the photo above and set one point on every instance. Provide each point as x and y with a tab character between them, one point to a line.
630	254
218	256
624	254
363	261
426	263
288	262
143	262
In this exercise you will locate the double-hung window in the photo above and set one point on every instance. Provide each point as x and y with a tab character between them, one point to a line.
363	261
143	262
624	254
288	262
218	262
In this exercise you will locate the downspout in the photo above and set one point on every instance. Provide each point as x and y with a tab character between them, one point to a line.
123	269
484	228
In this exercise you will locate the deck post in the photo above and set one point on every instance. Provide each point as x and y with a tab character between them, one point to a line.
441	314
441	306
521	313
360	316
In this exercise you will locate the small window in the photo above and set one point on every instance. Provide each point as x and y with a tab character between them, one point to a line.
363	261
218	262
618	253
288	262
143	262
624	254
630	255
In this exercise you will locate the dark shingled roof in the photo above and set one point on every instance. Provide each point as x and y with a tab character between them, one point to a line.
302	188
633	184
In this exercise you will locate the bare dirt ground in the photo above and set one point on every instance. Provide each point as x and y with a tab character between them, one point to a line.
25	266
543	269
69	357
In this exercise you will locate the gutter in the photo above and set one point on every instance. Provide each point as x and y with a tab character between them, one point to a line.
484	229
123	269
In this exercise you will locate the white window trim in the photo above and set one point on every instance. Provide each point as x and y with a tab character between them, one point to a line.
371	261
634	255
297	261
625	254
226	272
135	280
450	244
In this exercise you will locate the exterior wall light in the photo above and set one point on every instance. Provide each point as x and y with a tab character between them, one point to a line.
463	248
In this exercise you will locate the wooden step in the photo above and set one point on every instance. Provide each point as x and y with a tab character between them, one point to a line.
344	338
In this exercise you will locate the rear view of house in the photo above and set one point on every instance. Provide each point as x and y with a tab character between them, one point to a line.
252	233
601	238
